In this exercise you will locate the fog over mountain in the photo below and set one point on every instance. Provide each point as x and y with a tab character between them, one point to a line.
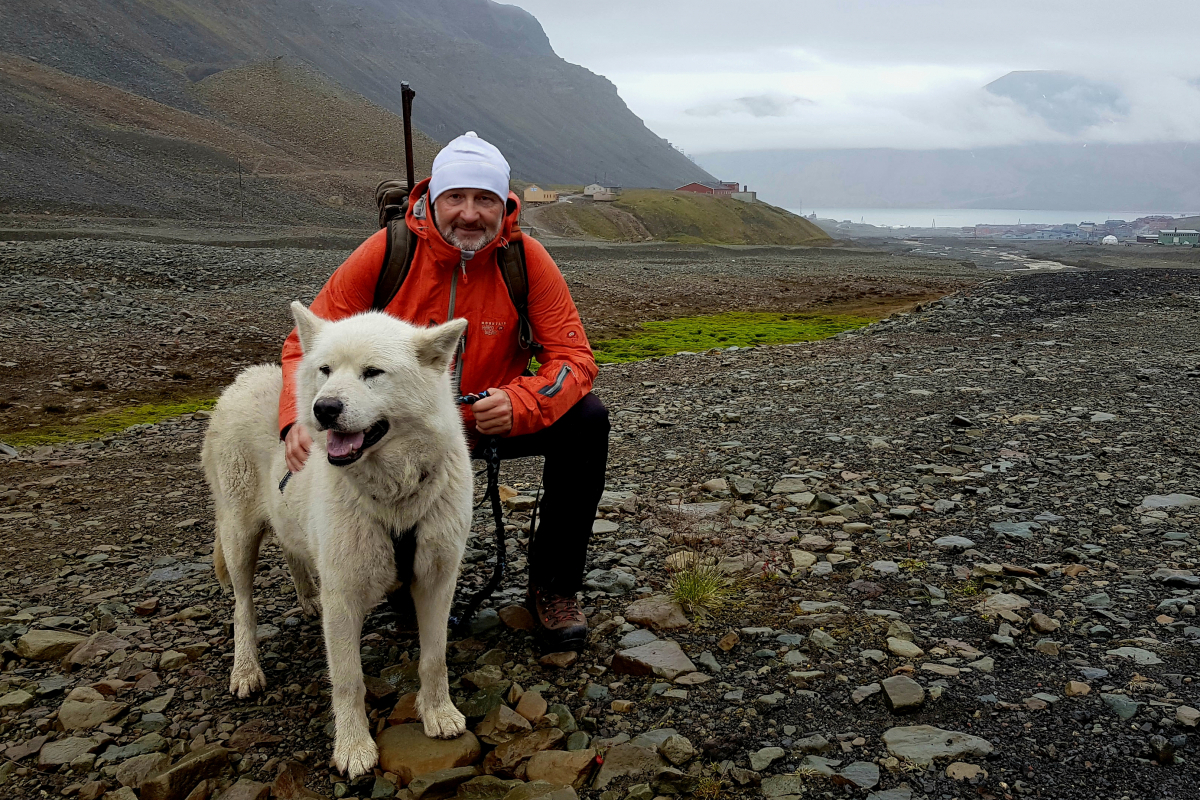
811	99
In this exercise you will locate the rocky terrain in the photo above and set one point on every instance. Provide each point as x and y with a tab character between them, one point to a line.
92	326
957	552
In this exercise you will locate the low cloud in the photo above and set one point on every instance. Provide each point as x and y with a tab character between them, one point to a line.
761	105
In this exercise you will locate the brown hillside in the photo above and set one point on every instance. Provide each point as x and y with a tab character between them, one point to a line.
306	147
317	120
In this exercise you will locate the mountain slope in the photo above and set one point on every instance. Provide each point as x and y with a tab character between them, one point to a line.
475	64
68	144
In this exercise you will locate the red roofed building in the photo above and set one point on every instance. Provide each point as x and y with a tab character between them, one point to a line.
718	189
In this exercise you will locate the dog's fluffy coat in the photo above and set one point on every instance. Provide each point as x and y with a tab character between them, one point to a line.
334	523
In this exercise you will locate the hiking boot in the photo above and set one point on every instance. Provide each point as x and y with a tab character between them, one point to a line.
561	623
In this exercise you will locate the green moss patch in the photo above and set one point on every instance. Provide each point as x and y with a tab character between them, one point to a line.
740	328
102	424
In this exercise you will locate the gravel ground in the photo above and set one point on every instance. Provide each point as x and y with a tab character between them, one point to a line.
89	325
979	517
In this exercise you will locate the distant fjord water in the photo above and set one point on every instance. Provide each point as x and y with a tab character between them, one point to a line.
969	217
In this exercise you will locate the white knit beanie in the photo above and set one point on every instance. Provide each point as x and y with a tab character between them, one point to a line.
469	162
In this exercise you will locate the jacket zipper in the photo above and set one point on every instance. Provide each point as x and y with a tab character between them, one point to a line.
461	349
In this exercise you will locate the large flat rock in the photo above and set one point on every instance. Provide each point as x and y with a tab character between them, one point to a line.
407	752
47	645
663	658
924	744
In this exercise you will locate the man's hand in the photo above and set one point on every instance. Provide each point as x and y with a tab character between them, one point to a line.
296	447
494	413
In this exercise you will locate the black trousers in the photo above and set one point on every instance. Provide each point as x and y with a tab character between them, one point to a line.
576	451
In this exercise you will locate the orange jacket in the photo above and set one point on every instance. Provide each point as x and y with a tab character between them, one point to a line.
492	357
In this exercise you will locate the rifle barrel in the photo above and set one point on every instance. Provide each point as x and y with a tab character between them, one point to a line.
406	96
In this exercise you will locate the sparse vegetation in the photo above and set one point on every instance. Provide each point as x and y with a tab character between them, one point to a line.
692	218
99	425
744	329
701	588
653	214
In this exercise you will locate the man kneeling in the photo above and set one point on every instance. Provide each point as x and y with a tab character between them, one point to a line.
461	220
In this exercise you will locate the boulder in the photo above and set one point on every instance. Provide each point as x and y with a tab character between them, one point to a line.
902	693
561	767
441	783
628	761
501	725
903	648
64	751
85	708
924	744
408	753
658	611
1002	605
47	645
505	759
178	781
139	769
663	658
15	702
532	706
97	645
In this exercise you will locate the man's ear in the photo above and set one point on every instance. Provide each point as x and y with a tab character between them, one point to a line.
435	346
308	325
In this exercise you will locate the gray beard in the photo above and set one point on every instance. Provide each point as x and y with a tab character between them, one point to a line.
453	238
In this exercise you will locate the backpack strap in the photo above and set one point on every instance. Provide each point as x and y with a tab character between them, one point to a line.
397	261
391	196
511	258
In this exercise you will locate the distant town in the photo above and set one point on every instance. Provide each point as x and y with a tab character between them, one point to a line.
1158	230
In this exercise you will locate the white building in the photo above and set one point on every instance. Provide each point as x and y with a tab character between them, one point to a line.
593	189
1110	239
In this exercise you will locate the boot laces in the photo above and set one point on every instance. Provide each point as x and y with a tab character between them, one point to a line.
559	608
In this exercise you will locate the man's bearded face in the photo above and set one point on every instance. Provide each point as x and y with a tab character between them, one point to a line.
468	219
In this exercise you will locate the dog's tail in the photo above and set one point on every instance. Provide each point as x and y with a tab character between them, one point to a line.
219	563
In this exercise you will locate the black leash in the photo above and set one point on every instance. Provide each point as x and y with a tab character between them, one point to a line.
491	453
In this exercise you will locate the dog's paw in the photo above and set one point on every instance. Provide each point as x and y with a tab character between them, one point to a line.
311	606
246	679
445	722
354	756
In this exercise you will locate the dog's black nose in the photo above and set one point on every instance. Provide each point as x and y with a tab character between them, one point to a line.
326	410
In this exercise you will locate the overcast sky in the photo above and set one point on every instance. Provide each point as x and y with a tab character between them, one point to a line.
759	74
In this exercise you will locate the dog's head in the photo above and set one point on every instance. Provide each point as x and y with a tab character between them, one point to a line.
366	375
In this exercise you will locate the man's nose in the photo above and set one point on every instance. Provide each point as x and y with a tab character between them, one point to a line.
470	212
327	410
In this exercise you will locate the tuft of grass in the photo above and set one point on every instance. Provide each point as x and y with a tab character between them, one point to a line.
709	787
967	588
701	588
740	328
103	423
913	565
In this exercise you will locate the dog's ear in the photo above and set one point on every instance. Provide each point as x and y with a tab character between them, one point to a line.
308	324
435	346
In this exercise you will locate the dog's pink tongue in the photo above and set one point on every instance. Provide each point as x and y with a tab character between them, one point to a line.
340	445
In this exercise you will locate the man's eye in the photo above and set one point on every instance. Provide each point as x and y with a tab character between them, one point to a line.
325	370
371	372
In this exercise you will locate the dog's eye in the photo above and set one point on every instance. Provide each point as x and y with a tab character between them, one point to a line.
325	370
371	372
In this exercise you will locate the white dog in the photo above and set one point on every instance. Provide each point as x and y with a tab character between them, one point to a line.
394	457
